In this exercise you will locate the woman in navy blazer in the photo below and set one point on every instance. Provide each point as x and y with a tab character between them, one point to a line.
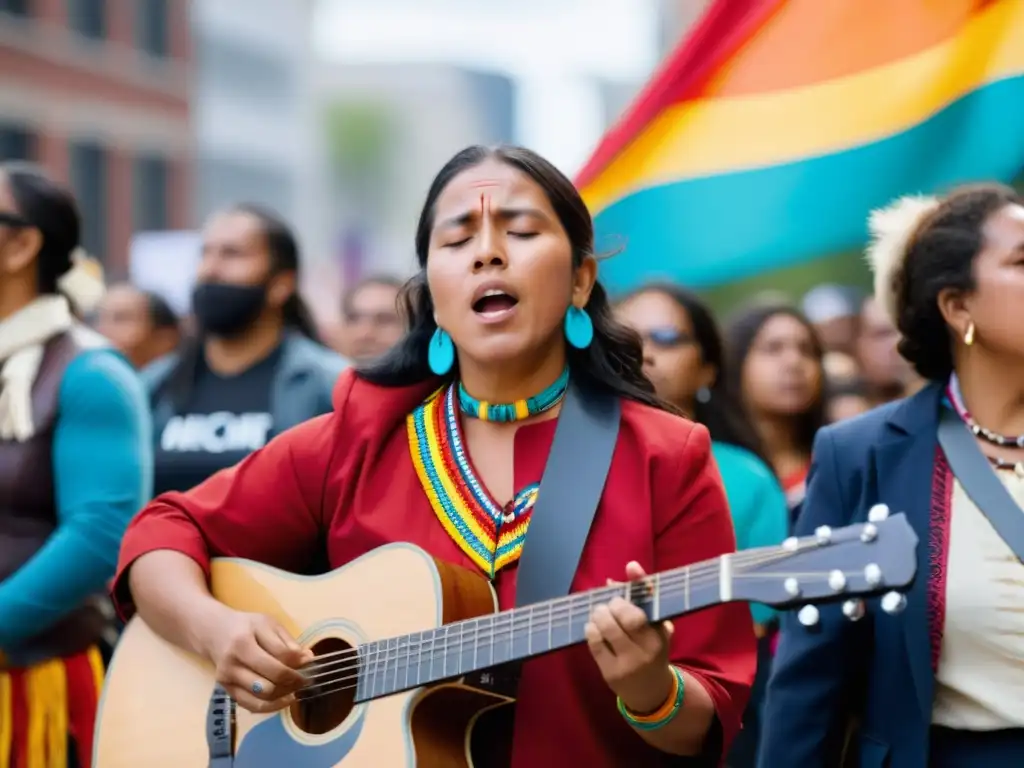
940	684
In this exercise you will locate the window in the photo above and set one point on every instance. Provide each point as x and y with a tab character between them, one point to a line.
151	194
89	181
14	7
16	143
88	18
151	27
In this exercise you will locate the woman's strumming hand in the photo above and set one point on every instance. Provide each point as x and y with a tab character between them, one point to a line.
257	661
631	653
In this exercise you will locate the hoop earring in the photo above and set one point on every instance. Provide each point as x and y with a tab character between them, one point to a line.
579	328
969	334
441	352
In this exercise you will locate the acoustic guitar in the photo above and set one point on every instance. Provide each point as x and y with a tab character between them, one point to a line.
408	650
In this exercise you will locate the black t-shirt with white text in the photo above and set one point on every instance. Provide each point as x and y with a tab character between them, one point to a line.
226	418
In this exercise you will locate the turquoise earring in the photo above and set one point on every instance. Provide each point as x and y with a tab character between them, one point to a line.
579	328
441	353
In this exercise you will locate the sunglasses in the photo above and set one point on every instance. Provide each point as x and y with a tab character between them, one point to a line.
667	338
8	219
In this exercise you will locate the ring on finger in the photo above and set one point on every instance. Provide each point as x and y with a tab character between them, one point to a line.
257	688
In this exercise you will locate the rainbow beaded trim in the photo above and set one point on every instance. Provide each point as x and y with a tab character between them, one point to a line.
491	535
520	409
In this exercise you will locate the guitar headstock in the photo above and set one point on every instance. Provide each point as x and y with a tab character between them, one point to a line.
834	564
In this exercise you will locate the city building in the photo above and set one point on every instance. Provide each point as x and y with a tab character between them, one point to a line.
253	109
97	91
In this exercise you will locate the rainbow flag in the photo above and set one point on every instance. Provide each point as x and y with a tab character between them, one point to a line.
777	125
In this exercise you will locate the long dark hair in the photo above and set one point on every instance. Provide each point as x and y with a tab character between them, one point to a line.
283	248
50	208
741	334
614	360
723	414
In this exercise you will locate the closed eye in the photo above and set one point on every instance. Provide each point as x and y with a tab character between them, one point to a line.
457	243
524	235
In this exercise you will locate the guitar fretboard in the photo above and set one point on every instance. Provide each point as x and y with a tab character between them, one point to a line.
453	650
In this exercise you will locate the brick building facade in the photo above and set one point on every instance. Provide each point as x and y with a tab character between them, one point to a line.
97	91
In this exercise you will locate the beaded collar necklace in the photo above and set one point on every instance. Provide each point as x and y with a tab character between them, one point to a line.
491	534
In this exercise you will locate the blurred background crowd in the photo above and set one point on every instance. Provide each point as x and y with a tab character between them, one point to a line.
248	174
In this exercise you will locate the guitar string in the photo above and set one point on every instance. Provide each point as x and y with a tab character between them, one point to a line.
699	575
497	633
704	574
317	690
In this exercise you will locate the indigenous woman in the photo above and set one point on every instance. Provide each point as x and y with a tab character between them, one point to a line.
778	370
449	433
942	684
75	462
684	358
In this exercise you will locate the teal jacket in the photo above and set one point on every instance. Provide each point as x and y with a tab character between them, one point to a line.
103	469
759	511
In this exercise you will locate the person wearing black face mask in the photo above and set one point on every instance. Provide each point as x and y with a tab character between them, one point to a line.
255	367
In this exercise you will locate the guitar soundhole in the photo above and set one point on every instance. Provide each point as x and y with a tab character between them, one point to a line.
331	695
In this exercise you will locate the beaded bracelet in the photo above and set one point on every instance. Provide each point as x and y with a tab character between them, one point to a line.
665	714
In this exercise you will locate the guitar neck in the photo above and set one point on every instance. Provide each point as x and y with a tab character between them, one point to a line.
457	649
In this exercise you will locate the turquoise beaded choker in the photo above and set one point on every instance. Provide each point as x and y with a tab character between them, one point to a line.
520	409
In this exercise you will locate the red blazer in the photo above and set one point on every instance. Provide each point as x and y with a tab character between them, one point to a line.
347	478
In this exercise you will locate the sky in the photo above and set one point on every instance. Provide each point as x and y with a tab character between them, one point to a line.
554	49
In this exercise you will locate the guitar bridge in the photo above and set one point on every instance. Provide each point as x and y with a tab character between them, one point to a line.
220	729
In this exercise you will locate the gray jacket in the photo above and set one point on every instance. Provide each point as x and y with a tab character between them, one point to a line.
302	385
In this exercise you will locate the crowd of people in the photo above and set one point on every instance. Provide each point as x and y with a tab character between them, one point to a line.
221	425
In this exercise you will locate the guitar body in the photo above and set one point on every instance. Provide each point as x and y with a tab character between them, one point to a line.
154	710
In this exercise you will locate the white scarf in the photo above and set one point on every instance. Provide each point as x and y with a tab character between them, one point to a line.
22	336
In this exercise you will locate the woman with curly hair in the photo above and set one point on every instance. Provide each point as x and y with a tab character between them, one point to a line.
942	684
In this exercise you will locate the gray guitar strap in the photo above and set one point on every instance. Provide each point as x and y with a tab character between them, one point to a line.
980	483
570	490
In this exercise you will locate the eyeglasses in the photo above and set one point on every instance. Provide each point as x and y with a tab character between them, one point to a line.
667	338
9	219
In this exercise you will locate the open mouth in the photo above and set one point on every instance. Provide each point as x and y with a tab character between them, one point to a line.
494	302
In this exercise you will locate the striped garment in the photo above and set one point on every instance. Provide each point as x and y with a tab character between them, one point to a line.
47	712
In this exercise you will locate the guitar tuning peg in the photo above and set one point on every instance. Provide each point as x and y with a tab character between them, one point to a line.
854	610
808	616
894	602
878	513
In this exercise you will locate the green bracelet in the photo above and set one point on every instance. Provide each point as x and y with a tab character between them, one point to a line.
657	720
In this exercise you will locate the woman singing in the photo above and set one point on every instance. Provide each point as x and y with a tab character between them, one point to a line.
942	684
75	464
455	423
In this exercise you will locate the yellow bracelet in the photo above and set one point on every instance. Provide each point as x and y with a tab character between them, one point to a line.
665	713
